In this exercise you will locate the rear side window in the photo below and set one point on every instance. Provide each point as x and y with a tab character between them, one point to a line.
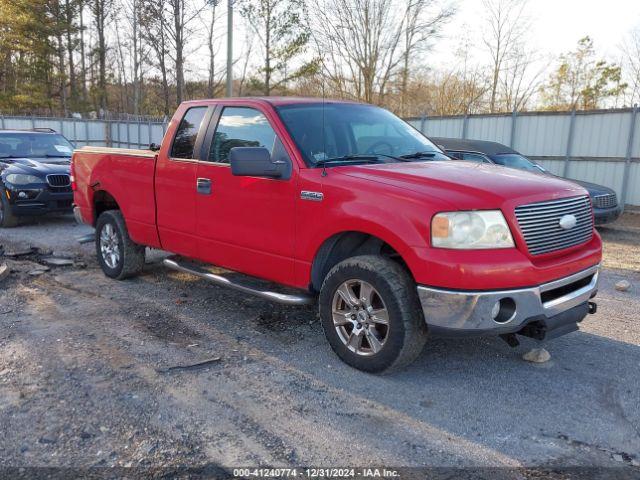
240	127
187	132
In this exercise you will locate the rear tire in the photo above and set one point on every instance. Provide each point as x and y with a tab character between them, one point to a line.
7	218
384	332
118	256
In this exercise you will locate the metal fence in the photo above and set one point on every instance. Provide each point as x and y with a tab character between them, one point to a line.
601	146
101	133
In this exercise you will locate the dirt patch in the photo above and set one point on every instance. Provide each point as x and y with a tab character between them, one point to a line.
621	248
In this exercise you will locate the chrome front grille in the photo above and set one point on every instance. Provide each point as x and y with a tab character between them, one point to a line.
608	200
61	180
541	227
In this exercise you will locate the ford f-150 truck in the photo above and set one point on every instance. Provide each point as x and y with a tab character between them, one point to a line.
347	205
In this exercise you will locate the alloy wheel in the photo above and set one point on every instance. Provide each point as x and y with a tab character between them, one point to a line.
110	246
360	317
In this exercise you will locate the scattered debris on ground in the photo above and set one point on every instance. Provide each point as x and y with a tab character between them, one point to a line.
623	286
537	355
191	366
4	271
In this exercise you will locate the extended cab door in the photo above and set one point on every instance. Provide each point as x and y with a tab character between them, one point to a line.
245	223
176	180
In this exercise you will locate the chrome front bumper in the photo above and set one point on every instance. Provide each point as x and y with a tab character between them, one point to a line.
471	312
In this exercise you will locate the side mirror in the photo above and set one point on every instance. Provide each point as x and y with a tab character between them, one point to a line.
257	162
154	147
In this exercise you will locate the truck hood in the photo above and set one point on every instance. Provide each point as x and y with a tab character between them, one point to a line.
462	184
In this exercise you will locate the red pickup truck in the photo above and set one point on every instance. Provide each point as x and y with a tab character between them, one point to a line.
345	204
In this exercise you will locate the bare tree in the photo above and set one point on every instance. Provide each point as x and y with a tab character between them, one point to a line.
365	44
461	90
83	55
363	40
421	26
138	49
213	36
59	29
631	61
70	11
506	27
182	14
100	10
248	42
282	30
154	32
520	80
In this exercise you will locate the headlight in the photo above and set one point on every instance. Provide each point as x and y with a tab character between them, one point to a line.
471	230
21	179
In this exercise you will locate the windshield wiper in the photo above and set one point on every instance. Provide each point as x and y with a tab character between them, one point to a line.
355	158
56	156
409	156
348	159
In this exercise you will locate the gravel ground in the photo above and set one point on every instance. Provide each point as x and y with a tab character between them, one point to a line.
95	373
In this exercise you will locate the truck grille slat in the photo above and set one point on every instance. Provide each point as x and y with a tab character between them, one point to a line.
545	241
545	226
553	208
549	217
540	224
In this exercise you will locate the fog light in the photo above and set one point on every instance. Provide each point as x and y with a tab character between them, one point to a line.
495	310
23	195
503	310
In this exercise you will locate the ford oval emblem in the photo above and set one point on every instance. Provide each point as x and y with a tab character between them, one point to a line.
567	222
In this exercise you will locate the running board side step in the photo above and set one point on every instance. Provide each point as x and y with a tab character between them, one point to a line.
286	299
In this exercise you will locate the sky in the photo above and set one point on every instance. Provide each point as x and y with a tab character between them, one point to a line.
557	25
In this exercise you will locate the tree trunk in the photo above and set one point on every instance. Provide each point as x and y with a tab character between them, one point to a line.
83	64
267	60
70	44
62	75
136	60
101	51
211	84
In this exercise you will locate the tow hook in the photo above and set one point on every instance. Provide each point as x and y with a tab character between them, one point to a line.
511	339
593	307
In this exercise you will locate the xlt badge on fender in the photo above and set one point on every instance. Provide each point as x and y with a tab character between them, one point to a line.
313	196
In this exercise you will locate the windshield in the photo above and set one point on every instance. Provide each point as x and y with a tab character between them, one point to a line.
354	130
34	145
515	160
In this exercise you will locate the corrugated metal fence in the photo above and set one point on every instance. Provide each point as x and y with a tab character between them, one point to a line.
595	146
101	133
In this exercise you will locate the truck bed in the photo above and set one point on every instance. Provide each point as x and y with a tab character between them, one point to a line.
128	176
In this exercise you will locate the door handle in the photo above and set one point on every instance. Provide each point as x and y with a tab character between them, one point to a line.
203	186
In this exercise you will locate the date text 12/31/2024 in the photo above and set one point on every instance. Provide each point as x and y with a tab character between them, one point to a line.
315	473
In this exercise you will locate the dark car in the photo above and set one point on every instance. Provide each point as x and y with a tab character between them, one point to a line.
604	199
34	174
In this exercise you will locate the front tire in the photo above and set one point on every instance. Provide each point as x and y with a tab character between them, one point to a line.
7	218
371	314
118	256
